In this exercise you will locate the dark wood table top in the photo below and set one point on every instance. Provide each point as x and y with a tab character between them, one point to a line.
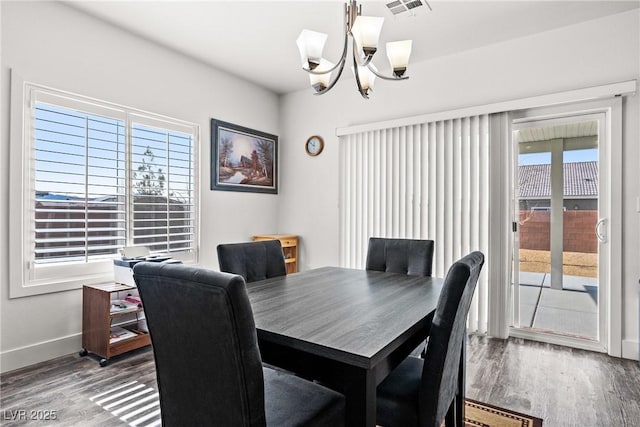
352	316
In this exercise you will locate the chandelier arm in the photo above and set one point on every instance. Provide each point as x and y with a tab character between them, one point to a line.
342	59
356	57
357	75
335	80
385	77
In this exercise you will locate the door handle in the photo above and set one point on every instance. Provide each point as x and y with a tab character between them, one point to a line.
601	236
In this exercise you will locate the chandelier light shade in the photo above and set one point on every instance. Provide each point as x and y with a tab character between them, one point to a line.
364	32
365	79
398	54
319	82
311	44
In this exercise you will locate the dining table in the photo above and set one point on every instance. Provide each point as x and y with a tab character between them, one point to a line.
344	328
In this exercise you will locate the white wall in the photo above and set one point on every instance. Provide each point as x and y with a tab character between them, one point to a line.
55	45
597	52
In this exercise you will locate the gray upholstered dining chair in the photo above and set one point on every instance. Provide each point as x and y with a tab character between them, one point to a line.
207	359
407	256
253	260
413	257
422	392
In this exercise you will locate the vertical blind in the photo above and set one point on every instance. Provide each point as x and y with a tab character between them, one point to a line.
423	181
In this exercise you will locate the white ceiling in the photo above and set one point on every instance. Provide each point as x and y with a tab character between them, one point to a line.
571	130
256	39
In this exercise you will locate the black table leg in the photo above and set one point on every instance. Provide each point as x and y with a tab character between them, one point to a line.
360	394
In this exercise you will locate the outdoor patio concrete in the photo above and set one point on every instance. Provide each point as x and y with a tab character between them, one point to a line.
571	311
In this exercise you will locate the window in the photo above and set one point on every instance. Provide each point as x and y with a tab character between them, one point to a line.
163	194
79	192
96	177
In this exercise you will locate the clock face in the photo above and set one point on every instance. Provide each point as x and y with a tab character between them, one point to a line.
314	145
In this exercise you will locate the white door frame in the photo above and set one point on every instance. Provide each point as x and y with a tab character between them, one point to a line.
610	197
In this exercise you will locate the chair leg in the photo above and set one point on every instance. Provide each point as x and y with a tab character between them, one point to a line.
460	397
450	418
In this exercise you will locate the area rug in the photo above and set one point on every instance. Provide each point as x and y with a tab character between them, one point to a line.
477	414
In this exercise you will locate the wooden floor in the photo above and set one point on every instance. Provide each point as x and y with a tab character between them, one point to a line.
565	387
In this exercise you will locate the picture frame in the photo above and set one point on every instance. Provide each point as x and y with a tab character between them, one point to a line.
243	159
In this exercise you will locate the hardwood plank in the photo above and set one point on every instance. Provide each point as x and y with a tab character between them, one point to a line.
561	385
566	387
64	386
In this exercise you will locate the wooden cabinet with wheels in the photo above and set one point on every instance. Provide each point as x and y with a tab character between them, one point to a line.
289	247
109	330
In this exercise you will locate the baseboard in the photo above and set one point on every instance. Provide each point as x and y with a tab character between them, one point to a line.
556	339
40	352
630	350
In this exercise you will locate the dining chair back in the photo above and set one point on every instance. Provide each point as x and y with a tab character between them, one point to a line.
446	338
208	364
423	392
406	256
253	260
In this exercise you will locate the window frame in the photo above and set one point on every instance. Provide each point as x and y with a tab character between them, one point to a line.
27	279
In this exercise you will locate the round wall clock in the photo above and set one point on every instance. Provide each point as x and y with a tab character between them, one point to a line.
314	145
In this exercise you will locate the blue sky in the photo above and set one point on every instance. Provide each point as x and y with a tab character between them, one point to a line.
572	156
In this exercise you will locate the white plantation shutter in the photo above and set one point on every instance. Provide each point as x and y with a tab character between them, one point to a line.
423	181
163	197
79	185
97	177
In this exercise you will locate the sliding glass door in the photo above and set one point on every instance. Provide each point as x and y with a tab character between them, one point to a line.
559	230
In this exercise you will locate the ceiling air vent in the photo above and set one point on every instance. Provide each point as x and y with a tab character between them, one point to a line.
400	7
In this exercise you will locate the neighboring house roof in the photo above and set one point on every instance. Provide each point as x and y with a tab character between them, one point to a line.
580	181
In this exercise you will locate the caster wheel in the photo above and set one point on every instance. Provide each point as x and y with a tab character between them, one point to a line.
83	352
104	362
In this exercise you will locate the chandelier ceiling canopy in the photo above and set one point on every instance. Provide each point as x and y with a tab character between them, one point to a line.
364	32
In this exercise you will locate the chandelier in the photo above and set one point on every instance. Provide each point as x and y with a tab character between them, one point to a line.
364	32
